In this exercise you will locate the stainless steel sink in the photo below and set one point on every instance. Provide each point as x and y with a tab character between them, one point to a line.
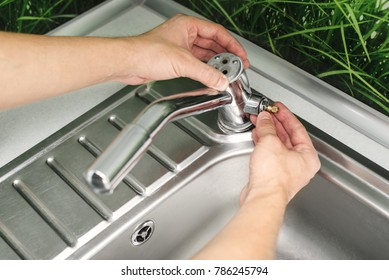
187	186
180	194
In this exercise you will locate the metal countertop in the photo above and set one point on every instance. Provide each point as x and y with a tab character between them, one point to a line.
323	106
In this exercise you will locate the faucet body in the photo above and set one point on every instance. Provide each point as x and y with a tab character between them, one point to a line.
235	104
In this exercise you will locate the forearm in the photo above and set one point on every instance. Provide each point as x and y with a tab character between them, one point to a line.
251	234
34	67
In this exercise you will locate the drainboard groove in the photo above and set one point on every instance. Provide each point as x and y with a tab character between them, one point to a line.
63	232
134	184
117	122
153	150
15	244
76	185
162	158
129	180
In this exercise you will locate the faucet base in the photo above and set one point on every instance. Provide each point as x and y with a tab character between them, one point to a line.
233	128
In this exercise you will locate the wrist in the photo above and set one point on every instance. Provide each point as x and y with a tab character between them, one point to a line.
276	195
124	59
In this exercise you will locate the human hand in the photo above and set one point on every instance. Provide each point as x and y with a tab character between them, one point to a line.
284	159
177	48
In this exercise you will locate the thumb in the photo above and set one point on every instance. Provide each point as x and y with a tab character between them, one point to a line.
206	75
265	125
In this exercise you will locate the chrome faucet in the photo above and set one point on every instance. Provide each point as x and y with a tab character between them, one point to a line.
234	104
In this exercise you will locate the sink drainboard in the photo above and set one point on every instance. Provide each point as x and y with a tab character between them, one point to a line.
45	205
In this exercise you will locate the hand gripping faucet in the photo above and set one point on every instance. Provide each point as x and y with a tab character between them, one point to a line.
235	104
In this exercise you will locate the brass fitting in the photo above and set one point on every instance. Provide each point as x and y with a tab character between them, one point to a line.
272	109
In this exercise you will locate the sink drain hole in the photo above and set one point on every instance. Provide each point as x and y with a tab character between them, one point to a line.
142	233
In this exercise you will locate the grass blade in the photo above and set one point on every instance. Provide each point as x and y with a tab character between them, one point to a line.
227	16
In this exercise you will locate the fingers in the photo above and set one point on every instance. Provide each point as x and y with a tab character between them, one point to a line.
206	45
202	72
204	49
288	128
203	54
209	31
265	125
282	134
293	127
254	136
190	40
298	135
204	39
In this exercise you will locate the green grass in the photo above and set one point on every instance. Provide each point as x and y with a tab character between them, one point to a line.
344	42
40	16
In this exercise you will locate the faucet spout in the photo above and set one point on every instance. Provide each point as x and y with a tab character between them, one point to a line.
124	152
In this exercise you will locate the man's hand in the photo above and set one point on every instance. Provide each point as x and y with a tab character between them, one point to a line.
284	159
177	48
35	66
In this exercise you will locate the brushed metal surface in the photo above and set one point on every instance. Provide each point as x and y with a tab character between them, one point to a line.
46	206
343	214
63	231
339	215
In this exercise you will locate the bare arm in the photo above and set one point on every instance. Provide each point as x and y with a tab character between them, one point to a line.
284	160
34	67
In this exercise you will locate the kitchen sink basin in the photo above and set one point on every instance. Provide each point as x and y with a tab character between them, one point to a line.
186	187
180	194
